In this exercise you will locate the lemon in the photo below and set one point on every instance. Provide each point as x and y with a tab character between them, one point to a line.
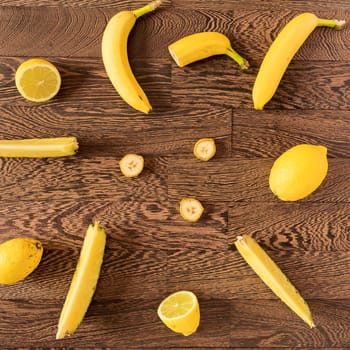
180	312
298	172
37	80
18	258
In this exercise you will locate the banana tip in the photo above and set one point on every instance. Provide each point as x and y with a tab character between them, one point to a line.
156	3
245	64
339	24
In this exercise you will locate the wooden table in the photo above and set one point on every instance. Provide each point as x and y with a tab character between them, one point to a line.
151	251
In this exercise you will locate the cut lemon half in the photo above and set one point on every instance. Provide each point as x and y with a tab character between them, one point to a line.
131	165
204	149
37	80
191	209
180	312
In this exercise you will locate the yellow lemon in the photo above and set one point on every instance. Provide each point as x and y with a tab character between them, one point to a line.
18	258
298	172
37	80
180	312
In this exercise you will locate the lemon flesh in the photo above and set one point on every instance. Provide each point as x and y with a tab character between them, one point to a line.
84	281
19	257
298	172
180	312
37	80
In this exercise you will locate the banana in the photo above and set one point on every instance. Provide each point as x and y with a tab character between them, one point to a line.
115	56
39	148
84	281
281	52
273	277
202	45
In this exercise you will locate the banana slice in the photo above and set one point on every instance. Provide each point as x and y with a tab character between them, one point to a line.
191	209
204	149
131	165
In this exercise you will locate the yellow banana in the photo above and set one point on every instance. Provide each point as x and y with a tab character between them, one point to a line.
273	277
198	46
281	52
115	56
39	148
84	281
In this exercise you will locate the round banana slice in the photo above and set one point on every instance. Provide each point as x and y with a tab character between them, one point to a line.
131	165
204	149
191	209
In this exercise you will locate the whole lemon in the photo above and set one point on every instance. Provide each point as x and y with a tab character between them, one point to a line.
298	172
18	258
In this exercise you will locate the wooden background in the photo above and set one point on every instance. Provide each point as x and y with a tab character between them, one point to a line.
151	251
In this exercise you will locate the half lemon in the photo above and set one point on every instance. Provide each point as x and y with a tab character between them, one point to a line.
180	312
37	80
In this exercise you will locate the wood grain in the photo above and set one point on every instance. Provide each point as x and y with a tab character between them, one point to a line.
231	87
116	131
85	84
224	274
271	133
269	324
236	180
292	226
76	31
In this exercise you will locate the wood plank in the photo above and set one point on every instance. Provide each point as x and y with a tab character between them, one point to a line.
120	129
219	82
270	133
225	275
75	178
120	5
76	31
151	225
246	180
273	5
288	226
134	323
269	324
133	273
85	84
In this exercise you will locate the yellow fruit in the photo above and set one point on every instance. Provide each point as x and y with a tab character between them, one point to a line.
84	281
131	165
204	149
282	51
39	148
180	312
191	209
298	172
115	56
198	46
38	80
19	257
273	277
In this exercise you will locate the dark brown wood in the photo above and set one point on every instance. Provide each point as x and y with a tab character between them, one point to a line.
151	251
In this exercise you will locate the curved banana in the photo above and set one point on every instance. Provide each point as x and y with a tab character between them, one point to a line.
115	56
281	52
198	46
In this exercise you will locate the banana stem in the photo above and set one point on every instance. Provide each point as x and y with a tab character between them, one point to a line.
242	62
332	23
147	8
